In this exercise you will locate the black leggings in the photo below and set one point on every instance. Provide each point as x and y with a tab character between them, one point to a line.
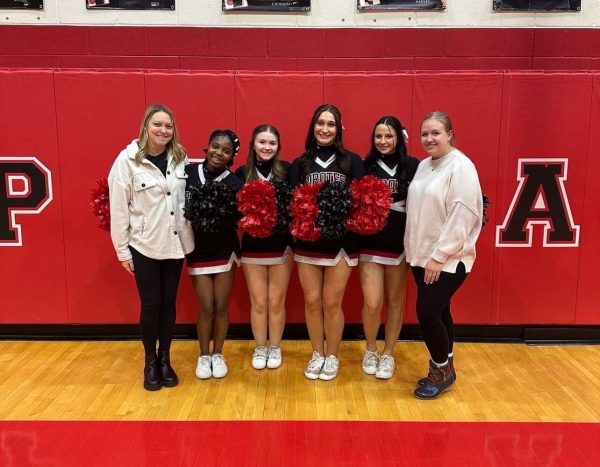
157	282
433	310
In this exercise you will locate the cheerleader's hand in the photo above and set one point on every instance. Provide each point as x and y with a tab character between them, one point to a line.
433	270
128	265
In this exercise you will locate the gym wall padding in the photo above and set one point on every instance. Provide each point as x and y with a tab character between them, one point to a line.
369	97
473	101
32	277
297	47
97	113
588	293
76	122
201	102
287	101
544	117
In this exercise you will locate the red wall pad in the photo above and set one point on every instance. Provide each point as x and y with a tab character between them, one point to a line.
286	100
544	118
201	103
473	101
32	276
362	101
75	123
97	115
588	292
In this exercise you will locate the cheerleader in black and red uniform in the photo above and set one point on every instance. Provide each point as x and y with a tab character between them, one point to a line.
213	262
324	266
267	262
382	265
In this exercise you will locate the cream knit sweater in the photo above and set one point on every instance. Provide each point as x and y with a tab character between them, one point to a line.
444	211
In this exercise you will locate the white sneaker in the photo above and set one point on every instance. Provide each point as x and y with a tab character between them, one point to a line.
330	368
313	369
274	360
370	361
203	369
259	358
219	367
385	369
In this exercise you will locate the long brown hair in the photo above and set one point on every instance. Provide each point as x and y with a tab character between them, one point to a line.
311	146
173	146
279	172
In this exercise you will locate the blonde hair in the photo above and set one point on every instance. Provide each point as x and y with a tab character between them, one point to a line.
173	147
445	120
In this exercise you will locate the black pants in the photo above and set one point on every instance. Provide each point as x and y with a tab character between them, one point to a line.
433	310
157	282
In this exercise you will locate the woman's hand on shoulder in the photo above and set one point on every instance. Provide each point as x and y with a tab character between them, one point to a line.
128	265
433	269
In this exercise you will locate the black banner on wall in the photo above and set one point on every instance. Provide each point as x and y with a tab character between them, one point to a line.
547	5
131	4
266	5
35	4
401	4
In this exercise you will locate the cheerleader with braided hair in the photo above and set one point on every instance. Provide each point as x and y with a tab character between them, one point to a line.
210	206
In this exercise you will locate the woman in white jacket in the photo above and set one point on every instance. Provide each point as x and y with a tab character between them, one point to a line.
444	216
149	233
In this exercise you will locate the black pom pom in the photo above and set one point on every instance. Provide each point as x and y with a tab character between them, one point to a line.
283	197
210	207
486	204
335	204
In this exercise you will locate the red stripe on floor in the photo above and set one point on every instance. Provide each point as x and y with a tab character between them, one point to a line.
51	443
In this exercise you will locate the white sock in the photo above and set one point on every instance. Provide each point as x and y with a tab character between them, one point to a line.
440	365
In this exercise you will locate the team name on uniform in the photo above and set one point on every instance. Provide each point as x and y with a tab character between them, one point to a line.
325	177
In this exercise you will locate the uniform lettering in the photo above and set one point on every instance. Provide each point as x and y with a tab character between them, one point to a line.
321	177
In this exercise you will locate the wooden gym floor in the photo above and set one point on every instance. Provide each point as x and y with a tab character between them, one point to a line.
82	403
102	381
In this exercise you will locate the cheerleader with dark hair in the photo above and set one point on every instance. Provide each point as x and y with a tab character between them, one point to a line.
267	261
210	206
382	266
324	265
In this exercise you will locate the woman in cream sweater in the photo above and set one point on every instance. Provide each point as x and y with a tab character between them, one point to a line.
444	216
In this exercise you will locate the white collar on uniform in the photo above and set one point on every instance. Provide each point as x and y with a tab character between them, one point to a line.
203	178
390	170
262	177
326	163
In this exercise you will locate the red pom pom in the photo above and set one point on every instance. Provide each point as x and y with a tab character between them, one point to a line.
256	201
371	202
100	203
304	212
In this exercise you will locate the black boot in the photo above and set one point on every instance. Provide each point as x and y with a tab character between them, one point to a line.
427	380
168	375
440	379
152	381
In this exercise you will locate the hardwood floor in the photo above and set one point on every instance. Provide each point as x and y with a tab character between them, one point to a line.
102	381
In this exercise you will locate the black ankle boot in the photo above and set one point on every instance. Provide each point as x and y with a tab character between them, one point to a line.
168	375
440	379
152	380
427	379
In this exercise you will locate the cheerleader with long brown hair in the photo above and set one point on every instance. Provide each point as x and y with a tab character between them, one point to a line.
267	261
324	265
